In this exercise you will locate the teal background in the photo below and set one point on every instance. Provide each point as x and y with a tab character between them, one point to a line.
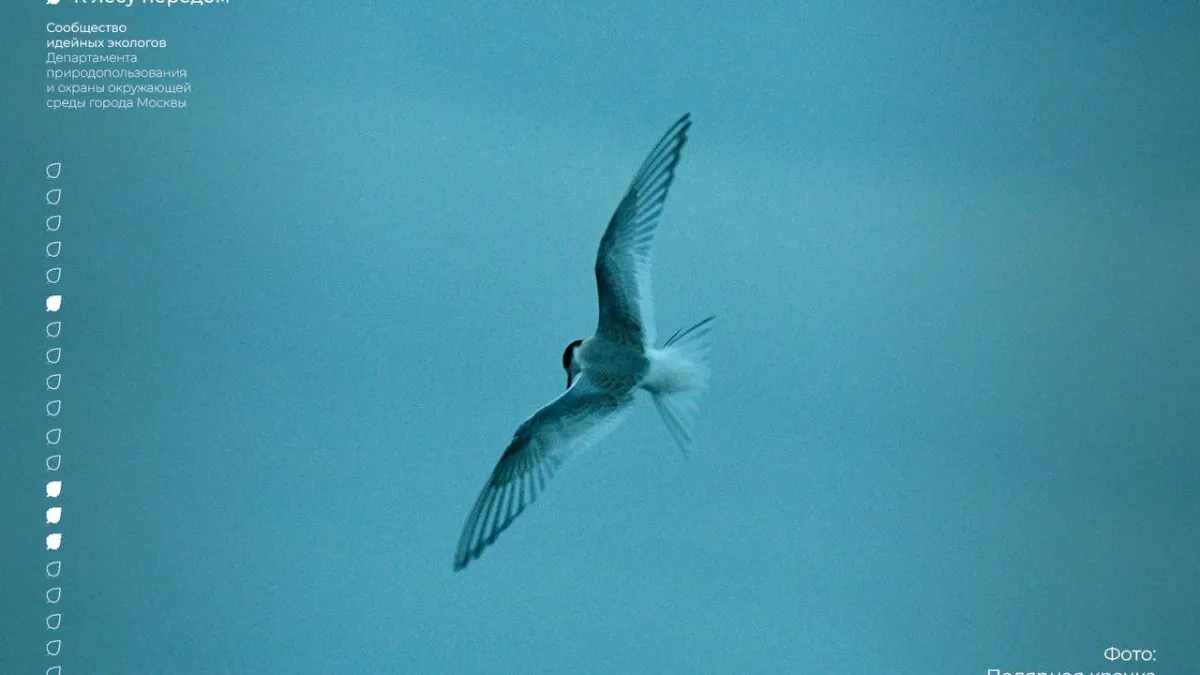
954	416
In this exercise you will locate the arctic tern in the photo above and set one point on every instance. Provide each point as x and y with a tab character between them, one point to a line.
605	371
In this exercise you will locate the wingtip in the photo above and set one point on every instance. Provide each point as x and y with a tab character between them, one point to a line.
684	123
679	129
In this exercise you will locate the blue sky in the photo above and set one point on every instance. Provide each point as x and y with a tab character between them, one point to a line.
953	416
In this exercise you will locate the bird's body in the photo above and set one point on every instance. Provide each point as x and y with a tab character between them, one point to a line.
620	367
612	365
605	371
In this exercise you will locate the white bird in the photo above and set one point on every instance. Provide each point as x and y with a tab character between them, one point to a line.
605	371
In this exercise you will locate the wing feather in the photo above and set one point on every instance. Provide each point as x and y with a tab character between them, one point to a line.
566	426
623	260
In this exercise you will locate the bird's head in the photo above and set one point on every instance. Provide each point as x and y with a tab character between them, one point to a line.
570	363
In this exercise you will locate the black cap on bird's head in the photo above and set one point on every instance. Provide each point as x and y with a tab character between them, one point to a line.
569	361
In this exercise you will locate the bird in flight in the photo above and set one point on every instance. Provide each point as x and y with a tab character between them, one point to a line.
605	371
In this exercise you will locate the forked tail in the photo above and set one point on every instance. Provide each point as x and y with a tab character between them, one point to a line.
679	401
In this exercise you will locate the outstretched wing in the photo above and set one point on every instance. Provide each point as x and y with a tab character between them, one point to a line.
623	261
566	426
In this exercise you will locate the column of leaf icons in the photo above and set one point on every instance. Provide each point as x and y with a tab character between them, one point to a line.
53	410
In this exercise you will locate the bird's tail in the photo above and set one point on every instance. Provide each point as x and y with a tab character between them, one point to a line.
677	394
